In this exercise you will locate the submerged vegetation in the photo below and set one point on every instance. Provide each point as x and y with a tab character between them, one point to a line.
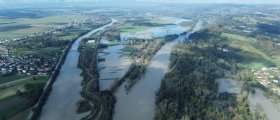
102	101
238	42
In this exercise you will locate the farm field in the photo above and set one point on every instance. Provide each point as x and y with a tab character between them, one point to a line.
132	28
20	27
10	102
252	57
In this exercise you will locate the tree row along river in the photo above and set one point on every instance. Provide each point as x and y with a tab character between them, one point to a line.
61	104
139	104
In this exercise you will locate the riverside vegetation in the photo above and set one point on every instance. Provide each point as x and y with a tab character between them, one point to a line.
142	51
190	90
49	48
101	103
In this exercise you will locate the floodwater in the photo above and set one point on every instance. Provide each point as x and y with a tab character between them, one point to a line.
154	32
157	31
116	64
139	104
114	67
229	85
61	104
233	86
268	107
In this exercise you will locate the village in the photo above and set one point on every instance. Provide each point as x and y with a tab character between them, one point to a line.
269	78
29	64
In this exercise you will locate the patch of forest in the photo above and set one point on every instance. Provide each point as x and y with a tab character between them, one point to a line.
102	102
190	90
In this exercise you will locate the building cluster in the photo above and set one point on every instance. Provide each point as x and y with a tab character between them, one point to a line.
31	65
269	77
27	64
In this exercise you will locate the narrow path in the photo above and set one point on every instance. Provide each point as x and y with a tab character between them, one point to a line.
93	96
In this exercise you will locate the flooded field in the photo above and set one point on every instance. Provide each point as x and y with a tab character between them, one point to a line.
268	107
61	104
257	99
139	104
160	31
229	85
114	67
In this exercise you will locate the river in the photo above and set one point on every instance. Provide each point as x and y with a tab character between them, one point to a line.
139	104
114	67
61	104
257	100
159	31
268	107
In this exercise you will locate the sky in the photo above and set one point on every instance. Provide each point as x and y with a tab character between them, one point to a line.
161	1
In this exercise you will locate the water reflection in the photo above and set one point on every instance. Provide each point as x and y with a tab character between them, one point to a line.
139	104
114	67
61	104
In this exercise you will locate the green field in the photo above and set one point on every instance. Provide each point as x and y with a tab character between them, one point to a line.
132	28
10	102
160	21
11	78
12	105
15	28
90	45
240	38
49	52
252	57
44	52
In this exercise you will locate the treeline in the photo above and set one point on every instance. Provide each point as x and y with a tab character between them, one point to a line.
133	74
269	47
32	92
150	48
143	22
171	37
269	28
37	108
211	37
41	41
190	91
102	101
145	54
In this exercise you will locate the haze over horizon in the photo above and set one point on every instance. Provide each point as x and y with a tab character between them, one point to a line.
155	1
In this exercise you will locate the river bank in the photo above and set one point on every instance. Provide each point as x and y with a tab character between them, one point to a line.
260	103
100	103
139	104
37	108
66	86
